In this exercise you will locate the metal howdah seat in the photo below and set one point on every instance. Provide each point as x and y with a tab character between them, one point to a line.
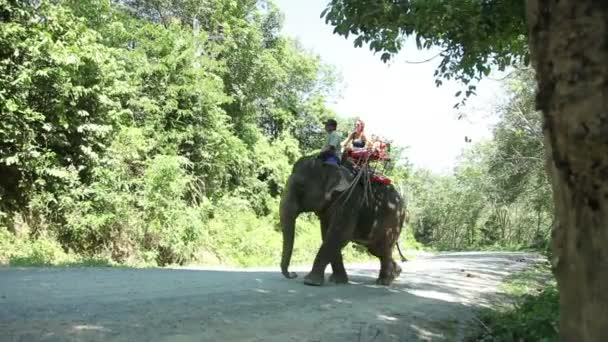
361	157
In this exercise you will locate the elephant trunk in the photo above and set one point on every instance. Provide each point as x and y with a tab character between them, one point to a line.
288	223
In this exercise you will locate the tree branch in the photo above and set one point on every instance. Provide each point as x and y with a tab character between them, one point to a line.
426	60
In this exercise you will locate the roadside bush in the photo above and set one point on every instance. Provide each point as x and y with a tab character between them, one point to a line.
533	317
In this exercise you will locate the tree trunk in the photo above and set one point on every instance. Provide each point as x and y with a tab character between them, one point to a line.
569	50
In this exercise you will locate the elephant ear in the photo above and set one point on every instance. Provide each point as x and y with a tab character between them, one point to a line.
338	179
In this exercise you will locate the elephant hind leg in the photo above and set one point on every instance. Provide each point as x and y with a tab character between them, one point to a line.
389	271
339	275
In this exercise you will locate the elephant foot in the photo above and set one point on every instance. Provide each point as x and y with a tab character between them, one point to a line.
339	278
397	270
314	279
290	275
384	281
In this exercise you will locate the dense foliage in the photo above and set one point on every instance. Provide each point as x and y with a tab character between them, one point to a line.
498	195
155	131
163	132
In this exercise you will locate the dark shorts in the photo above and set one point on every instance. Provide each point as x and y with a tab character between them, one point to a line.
331	159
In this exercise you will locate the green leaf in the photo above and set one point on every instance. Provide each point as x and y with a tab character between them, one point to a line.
385	57
11	106
12	160
324	12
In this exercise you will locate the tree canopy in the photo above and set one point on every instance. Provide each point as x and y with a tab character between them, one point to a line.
130	127
474	36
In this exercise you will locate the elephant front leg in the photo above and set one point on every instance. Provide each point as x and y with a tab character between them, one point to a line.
339	275
330	251
316	277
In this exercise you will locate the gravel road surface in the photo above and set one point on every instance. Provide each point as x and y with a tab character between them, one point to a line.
433	300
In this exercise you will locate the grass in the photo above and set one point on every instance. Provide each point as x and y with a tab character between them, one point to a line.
35	261
46	252
497	248
255	245
532	316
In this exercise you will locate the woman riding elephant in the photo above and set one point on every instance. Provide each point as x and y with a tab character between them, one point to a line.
357	139
346	213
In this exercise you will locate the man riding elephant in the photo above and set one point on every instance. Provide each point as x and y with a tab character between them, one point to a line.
331	152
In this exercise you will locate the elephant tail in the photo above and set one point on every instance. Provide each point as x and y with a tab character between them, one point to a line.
403	220
403	258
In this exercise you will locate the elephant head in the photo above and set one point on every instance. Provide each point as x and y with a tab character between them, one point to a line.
310	188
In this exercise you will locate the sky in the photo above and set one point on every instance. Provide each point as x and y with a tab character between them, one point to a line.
398	100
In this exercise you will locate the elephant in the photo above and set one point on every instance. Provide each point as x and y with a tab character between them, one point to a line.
338	198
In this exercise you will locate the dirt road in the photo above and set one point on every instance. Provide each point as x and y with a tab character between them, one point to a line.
433	300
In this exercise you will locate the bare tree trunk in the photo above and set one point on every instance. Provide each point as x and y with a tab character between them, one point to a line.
538	220
569	50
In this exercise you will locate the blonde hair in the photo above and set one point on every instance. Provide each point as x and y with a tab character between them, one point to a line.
361	122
